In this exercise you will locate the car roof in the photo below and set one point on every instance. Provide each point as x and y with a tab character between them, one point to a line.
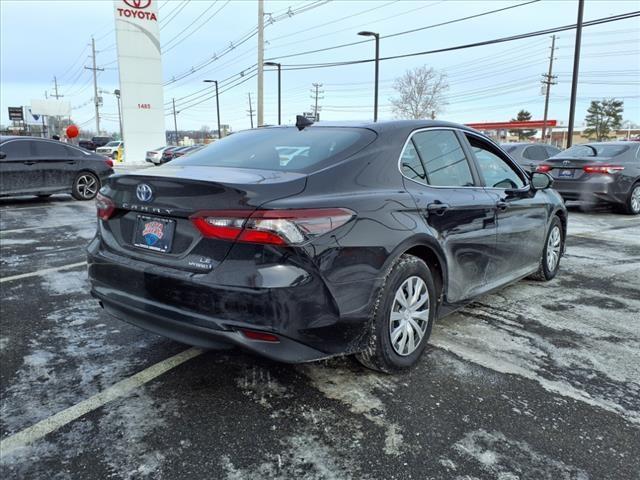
616	142
386	126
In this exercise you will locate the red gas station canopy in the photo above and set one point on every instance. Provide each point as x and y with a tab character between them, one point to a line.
512	125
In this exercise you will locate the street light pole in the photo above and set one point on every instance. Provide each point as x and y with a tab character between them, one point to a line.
275	64
116	92
375	98
217	106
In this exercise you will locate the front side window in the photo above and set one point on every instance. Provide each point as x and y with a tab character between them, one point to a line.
497	172
16	149
444	160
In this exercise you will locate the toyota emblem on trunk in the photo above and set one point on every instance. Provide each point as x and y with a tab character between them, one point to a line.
144	192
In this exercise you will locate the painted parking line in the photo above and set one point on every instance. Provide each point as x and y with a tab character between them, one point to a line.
120	389
41	272
39	227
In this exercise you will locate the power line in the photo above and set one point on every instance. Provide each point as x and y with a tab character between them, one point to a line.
598	21
405	32
173	13
168	48
272	19
511	38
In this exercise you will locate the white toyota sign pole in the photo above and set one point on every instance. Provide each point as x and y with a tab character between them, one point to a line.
140	66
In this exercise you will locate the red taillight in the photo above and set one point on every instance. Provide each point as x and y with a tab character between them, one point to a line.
273	227
109	162
608	169
260	336
105	206
544	168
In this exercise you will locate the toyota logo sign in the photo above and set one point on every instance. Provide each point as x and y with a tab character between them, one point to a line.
138	3
144	192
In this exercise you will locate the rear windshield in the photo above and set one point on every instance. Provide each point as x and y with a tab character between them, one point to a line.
509	148
282	148
588	151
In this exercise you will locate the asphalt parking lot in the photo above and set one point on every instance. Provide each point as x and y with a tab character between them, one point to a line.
538	381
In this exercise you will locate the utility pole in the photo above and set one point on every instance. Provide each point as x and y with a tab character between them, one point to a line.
548	80
96	99
576	68
55	88
175	121
260	62
250	109
315	95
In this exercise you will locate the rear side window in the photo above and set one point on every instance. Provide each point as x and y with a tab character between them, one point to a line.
16	149
411	165
444	160
551	151
264	149
51	149
535	152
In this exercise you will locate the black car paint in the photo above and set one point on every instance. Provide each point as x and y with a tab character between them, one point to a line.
43	173
318	297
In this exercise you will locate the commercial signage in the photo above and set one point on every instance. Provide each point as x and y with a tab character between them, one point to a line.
16	114
140	69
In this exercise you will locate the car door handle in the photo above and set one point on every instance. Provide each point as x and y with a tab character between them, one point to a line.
502	205
29	163
71	162
437	208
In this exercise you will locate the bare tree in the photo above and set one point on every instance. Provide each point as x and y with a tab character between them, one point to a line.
421	93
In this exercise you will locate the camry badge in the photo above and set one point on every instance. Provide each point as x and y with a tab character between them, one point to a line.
144	192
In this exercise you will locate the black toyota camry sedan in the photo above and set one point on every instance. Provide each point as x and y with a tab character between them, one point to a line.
38	166
353	244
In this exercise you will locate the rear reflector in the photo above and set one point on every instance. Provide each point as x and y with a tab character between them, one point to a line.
260	336
544	168
272	227
105	206
608	169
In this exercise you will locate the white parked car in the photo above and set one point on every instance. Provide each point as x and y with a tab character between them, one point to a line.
110	149
155	155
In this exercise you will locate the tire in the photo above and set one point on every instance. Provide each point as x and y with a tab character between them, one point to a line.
85	186
383	354
551	254
632	205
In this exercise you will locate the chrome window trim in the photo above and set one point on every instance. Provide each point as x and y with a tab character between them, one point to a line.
423	129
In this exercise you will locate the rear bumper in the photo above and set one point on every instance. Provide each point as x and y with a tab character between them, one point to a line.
197	310
598	187
197	330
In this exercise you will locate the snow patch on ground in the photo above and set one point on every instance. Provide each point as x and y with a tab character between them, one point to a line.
358	392
258	384
569	335
507	459
66	281
305	457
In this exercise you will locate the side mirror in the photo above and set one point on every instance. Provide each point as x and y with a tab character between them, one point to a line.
541	181
3	155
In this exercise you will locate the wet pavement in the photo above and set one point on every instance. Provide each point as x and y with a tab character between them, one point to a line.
537	381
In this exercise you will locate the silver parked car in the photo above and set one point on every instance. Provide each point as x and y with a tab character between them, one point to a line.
155	155
530	155
604	172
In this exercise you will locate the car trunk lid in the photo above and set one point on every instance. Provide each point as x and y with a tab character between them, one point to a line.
176	194
572	168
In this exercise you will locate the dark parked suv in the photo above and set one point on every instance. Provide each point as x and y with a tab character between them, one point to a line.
37	166
355	245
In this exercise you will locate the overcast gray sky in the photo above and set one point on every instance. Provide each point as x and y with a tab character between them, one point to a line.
40	39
